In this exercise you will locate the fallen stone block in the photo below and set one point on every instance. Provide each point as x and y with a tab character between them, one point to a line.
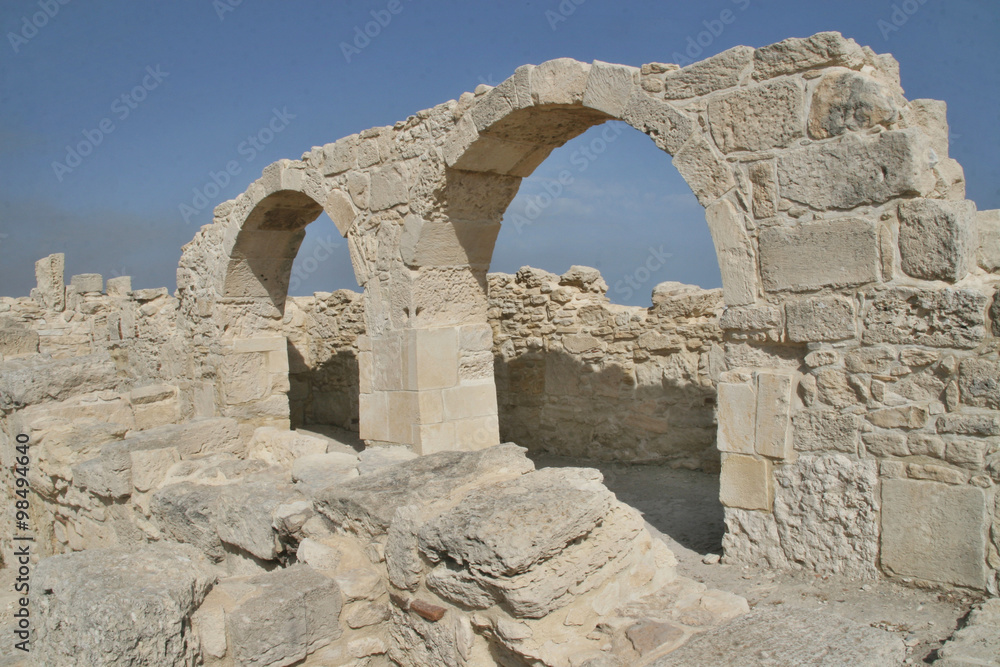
119	606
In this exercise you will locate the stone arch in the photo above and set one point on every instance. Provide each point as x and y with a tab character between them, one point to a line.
848	259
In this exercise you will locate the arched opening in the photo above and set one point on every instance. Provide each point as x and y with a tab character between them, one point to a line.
323	318
589	370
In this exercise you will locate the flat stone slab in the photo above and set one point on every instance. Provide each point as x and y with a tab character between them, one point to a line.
783	637
368	503
119	606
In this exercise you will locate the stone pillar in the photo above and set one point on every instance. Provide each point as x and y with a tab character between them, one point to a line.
49	274
426	387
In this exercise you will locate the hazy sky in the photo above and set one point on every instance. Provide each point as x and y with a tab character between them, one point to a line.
116	115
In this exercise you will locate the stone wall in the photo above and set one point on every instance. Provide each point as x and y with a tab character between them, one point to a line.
579	376
322	332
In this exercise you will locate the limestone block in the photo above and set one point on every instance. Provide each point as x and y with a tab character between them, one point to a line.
737	415
826	431
340	156
470	400
835	253
391	361
609	87
296	611
323	469
937	238
931	116
475	338
184	512
750	318
49	275
704	170
846	101
773	433
884	445
404	415
243	514
757	118
17	341
433	358
317	555
155	405
367	503
282	447
799	54
782	630
988	233
764	179
820	319
512	94
909	416
488	153
934	531
368	152
447	242
373	416
746	482
119	286
559	81
105	476
857	169
842	537
979	383
934	318
87	282
474	433
358	186
972	424
138	604
668	127
723	70
477	532
341	210
734	252
245	377
149	467
388	187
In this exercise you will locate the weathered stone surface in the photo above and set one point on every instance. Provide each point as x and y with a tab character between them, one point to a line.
295	612
837	253
667	126
934	531
559	81
791	637
910	416
723	70
704	170
979	383
988	233
479	532
773	433
907	315
846	101
746	483
857	170
977	642
49	275
937	238
17	340
243	514
799	54
609	87
842	537
734	252
764	179
367	503
318	471
737	417
971	424
119	606
820	319
33	380
826	431
185	512
758	118
87	282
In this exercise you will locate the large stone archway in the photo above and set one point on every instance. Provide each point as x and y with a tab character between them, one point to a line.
847	252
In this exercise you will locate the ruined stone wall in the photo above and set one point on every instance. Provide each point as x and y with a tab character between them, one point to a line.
579	376
322	332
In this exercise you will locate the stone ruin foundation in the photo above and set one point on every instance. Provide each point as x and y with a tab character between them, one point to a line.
844	384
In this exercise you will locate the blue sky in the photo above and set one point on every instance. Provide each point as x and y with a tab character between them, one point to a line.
167	94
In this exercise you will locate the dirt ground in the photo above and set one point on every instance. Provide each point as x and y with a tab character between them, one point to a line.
682	508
